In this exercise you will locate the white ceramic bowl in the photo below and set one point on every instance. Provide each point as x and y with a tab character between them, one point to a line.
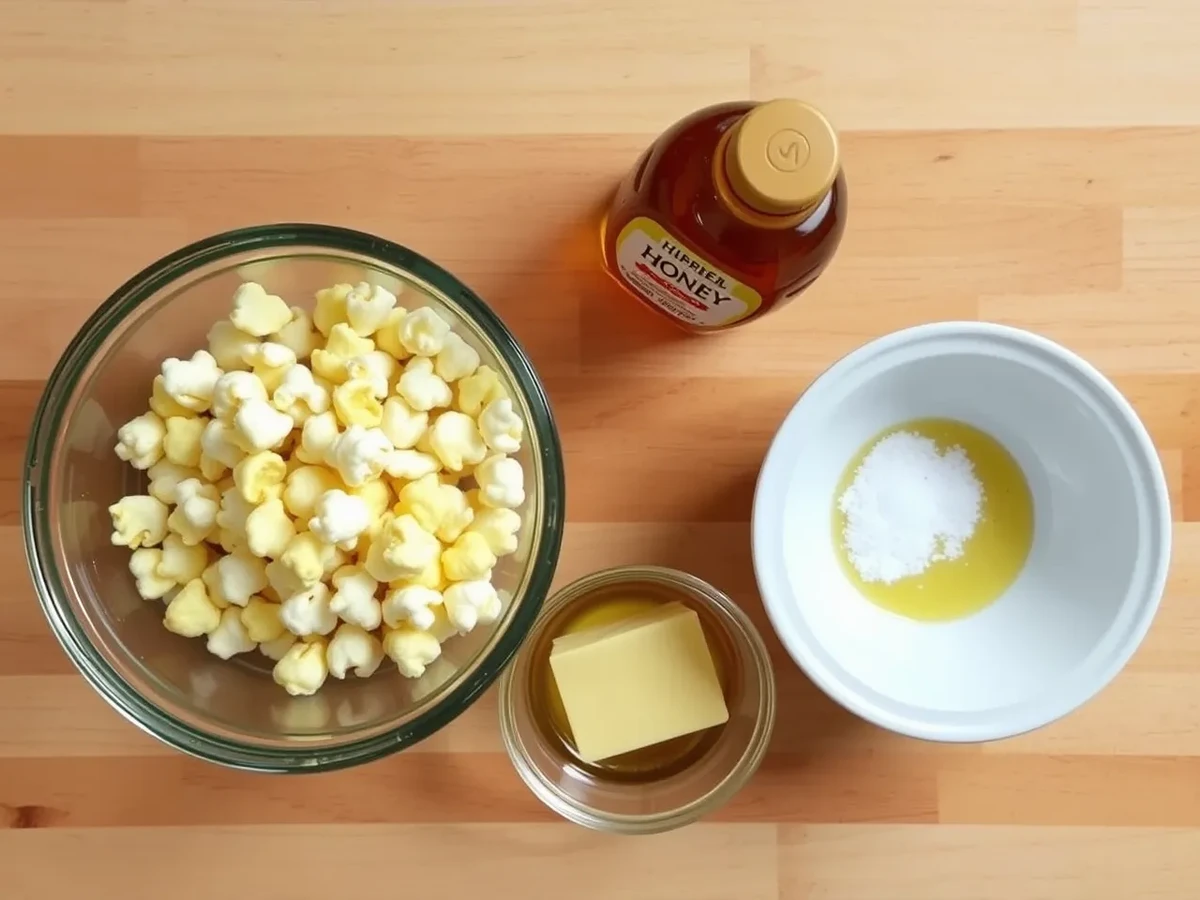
1091	585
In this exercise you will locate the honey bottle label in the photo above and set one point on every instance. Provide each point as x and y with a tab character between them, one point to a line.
666	272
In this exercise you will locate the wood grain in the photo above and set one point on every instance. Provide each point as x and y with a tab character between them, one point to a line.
1031	162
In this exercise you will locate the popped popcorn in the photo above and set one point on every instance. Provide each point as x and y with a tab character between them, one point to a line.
140	440
457	359
501	427
144	565
256	312
353	648
302	669
138	521
308	612
191	613
423	332
413	604
411	649
298	474
339	519
469	603
190	382
420	388
181	443
402	424
501	482
229	638
354	598
457	441
367	307
298	335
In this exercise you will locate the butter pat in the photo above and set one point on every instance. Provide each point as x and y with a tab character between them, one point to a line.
636	683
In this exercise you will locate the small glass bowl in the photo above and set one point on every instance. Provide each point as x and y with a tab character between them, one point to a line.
231	712
642	807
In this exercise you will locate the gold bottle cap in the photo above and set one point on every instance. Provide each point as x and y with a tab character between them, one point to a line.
782	157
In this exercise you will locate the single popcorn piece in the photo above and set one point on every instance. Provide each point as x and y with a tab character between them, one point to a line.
387	337
190	382
310	559
191	613
420	388
501	427
308	612
402	549
260	476
360	454
269	529
140	440
260	426
353	648
471	603
256	312
278	648
413	604
138	521
423	332
270	362
339	519
305	485
455	439
195	514
354	597
182	562
409	465
498	527
440	509
261	620
411	649
343	345
375	367
302	669
240	576
377	496
299	395
331	307
457	359
166	478
356	404
181	445
144	564
234	389
231	517
477	390
317	439
229	638
367	307
469	559
228	344
298	335
501	482
402	424
221	445
163	404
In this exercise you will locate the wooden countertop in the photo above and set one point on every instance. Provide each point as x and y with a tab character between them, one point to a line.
1035	162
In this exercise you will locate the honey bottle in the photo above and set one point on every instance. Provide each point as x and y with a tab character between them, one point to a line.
730	213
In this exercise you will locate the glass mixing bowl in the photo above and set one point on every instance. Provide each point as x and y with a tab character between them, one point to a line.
232	712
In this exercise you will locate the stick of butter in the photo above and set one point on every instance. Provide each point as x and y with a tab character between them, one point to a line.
638	682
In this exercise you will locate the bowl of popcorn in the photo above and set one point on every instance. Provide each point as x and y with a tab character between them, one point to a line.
294	498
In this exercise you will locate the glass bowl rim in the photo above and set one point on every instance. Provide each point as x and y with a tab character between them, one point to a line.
716	797
59	391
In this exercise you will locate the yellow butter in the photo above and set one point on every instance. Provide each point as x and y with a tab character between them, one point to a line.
636	683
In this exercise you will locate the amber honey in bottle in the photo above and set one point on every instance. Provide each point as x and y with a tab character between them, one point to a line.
606	606
730	213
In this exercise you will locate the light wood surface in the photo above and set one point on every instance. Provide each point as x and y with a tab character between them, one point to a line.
1035	162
